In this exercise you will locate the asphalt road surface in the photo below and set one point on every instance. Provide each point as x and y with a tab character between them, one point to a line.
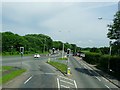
42	75
86	77
39	74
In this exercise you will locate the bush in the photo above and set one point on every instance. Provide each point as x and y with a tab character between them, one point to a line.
114	62
92	58
103	62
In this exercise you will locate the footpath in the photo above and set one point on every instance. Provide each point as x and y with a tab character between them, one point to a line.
105	75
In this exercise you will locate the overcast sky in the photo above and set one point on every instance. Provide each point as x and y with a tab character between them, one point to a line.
73	22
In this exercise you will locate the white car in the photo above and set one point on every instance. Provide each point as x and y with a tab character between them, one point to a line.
36	56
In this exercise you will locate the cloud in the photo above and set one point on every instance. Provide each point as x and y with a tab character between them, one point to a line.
60	0
76	21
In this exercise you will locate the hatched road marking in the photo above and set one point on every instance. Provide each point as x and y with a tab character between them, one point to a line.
64	86
75	84
58	83
66	78
64	82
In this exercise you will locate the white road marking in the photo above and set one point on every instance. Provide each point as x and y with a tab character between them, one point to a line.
98	78
28	80
58	83
66	82
75	84
83	63
66	78
85	67
50	73
105	79
64	86
107	86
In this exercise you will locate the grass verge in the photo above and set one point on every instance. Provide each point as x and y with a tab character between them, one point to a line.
11	73
61	67
63	59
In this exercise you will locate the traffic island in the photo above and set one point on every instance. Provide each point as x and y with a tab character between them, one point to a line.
60	66
63	58
9	73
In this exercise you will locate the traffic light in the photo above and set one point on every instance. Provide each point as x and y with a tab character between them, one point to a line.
68	52
53	50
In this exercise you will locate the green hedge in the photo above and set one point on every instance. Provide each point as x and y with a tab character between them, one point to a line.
114	62
102	61
92	58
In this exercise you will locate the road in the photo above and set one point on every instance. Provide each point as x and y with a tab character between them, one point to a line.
86	77
41	75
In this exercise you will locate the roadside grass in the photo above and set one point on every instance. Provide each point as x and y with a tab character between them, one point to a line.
11	73
84	51
63	59
61	67
6	68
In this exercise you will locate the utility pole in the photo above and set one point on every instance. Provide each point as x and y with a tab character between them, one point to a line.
109	55
44	44
63	51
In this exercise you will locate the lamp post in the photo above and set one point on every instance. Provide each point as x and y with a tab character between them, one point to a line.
110	46
63	50
109	55
62	47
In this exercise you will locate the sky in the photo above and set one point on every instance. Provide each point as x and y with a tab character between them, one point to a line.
72	22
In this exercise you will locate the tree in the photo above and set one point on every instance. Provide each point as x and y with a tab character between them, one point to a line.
73	47
11	41
104	50
58	45
115	27
114	32
94	49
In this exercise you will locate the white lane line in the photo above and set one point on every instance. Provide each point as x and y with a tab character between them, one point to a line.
28	80
98	78
64	86
75	84
91	69
58	83
50	73
85	67
66	78
105	79
66	82
107	86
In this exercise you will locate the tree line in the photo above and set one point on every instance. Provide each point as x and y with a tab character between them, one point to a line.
32	43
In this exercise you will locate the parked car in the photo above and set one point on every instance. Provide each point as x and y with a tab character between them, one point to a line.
36	56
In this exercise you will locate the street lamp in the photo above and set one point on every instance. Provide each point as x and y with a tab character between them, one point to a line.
63	51
110	46
62	47
109	55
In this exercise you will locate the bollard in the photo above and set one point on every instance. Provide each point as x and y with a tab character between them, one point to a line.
68	71
48	60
